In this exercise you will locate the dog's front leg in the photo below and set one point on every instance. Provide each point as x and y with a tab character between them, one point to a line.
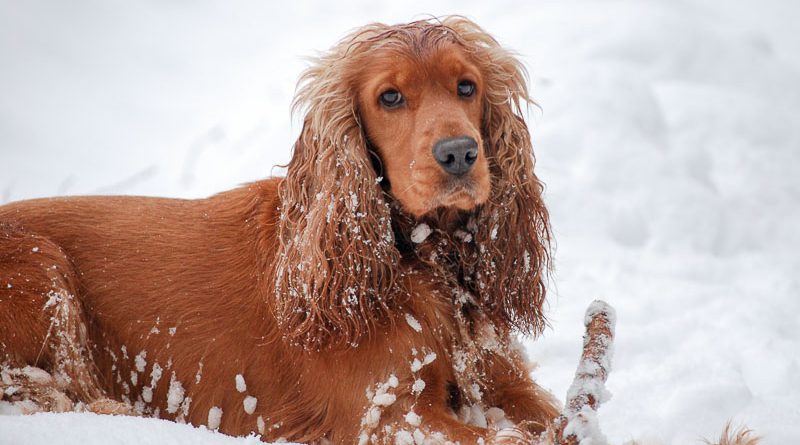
511	388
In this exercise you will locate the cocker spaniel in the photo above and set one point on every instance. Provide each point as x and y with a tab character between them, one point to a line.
372	295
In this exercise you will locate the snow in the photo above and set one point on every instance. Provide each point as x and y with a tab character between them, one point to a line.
94	429
147	394
588	386
249	404
420	233
155	374
403	437
416	364
668	140
413	322
497	417
372	417
261	425
241	386
140	361
384	399
585	427
175	395
600	307
418	386
474	415
412	418
214	417
53	298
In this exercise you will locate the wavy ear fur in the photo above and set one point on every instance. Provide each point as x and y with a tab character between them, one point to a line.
512	230
335	273
334	276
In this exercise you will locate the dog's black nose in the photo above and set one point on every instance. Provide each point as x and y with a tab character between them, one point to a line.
456	155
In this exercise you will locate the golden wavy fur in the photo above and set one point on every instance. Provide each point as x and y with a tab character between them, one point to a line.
370	296
337	240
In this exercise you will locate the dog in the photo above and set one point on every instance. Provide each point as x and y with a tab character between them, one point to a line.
372	295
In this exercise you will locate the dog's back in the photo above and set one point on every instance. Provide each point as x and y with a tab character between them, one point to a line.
120	296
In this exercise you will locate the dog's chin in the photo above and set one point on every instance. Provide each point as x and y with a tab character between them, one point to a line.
460	197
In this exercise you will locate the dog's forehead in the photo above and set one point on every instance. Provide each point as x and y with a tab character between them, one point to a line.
449	60
445	62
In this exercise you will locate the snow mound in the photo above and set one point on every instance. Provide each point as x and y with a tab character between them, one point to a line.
96	429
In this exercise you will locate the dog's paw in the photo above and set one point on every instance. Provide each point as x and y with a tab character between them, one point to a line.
108	406
512	436
30	390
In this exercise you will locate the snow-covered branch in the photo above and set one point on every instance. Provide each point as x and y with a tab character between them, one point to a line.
578	424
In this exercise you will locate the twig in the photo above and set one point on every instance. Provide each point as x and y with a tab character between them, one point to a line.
577	424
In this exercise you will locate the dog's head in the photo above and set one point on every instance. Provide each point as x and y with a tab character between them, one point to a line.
420	100
425	116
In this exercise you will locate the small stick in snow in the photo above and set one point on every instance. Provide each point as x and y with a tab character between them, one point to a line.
577	424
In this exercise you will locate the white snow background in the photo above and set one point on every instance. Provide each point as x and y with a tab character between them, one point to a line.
669	139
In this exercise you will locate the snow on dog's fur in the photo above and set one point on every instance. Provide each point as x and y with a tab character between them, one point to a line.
285	307
371	296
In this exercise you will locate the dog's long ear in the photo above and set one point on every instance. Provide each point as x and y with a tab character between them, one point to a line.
513	237
335	266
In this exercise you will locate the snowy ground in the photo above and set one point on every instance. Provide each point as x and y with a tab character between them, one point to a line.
669	140
93	429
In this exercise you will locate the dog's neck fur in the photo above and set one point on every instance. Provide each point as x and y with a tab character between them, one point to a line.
445	251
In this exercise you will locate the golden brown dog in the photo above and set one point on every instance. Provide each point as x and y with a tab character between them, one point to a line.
372	295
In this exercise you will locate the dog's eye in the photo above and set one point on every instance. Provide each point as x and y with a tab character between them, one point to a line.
466	88
391	98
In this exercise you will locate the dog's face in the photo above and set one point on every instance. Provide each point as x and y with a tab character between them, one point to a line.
438	104
422	114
